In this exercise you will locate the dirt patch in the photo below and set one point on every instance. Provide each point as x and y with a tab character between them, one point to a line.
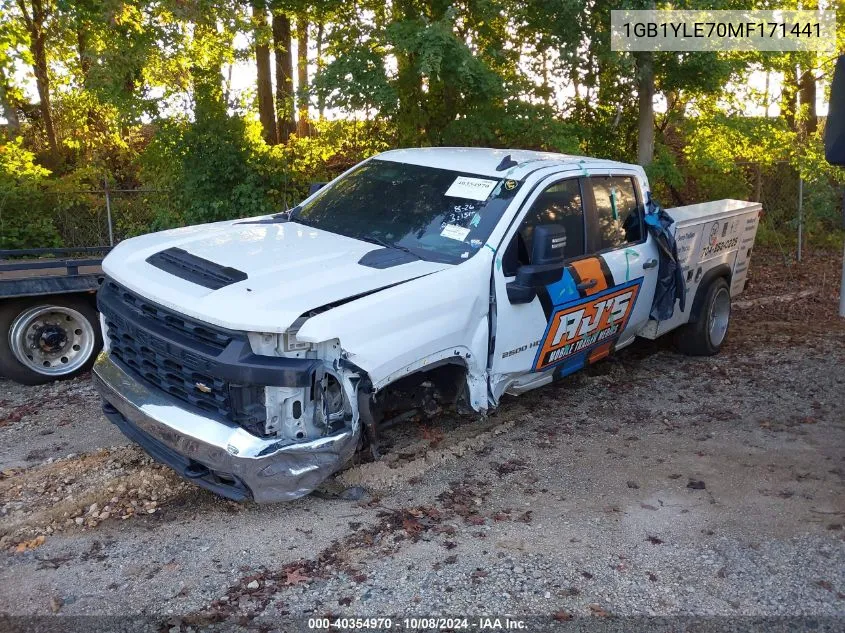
80	492
775	274
414	453
650	483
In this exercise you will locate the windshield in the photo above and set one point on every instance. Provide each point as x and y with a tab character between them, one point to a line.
436	214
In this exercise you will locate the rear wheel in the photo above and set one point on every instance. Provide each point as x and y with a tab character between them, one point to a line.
705	336
47	339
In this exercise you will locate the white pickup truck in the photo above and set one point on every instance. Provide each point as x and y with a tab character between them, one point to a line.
257	356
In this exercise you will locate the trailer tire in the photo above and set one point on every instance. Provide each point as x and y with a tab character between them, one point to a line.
705	335
66	328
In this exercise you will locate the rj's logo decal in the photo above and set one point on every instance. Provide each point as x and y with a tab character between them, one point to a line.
589	323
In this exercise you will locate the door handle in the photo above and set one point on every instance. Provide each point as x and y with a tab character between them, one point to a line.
586	285
651	263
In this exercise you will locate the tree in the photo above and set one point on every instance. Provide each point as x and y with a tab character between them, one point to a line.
303	88
264	84
789	96
320	62
809	120
121	82
284	74
645	108
35	14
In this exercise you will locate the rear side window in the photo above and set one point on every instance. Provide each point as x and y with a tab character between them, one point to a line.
617	211
559	204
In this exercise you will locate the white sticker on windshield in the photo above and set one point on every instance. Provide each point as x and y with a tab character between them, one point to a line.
471	188
455	232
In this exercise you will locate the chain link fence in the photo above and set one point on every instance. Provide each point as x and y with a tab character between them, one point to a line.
103	217
796	212
75	218
803	211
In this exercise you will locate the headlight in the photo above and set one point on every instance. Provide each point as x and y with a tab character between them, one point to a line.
267	344
290	344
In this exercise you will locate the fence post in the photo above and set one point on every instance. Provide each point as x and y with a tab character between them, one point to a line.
842	288
800	215
108	213
842	282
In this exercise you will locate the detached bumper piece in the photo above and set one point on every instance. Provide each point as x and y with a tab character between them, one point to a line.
217	454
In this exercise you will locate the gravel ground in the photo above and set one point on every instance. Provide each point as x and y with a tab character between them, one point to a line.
650	484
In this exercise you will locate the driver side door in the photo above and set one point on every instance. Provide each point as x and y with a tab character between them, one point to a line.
572	320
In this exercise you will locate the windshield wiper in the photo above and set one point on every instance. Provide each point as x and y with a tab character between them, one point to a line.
292	217
386	244
288	215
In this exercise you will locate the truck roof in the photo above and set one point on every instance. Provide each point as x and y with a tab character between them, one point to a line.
484	160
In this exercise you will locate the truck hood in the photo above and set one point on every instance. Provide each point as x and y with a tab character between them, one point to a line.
290	270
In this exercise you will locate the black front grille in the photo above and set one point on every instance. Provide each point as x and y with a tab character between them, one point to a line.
175	354
205	337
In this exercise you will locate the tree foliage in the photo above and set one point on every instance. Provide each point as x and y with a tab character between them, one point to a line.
164	95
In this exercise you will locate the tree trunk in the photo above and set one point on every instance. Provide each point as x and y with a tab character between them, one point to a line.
807	96
82	53
321	98
264	84
37	47
788	97
302	74
645	118
547	93
766	98
284	76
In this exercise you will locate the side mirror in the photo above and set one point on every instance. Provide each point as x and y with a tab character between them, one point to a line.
834	133
315	187
548	252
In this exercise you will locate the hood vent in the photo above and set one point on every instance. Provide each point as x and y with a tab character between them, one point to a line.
382	258
202	272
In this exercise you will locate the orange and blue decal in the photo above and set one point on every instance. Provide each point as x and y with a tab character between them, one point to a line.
583	324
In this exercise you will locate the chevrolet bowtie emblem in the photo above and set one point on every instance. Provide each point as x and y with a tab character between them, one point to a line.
204	388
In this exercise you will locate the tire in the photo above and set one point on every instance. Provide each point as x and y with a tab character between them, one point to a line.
705	336
48	338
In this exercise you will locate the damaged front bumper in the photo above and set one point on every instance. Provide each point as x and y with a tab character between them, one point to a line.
218	455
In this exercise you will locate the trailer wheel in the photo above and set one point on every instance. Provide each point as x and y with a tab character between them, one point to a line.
704	337
48	339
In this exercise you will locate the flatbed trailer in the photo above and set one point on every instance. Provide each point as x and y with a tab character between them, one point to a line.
49	325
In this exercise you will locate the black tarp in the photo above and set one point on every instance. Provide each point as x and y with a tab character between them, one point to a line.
670	278
834	139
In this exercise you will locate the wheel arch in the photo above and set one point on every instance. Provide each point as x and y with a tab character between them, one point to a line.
449	376
455	363
722	271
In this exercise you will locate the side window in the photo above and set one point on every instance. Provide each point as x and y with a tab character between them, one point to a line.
617	211
559	204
